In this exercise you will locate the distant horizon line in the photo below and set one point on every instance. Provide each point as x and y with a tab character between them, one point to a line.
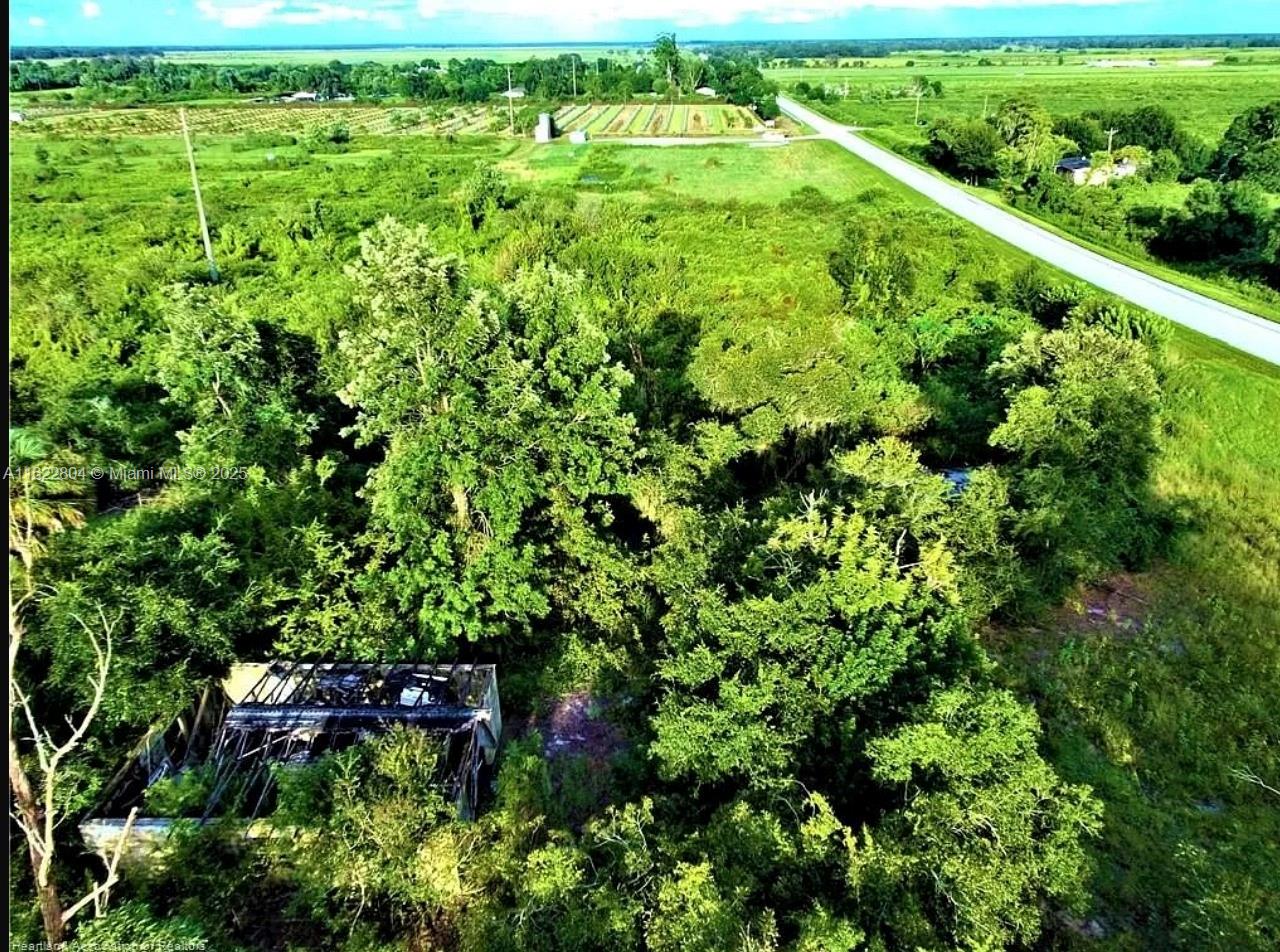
286	47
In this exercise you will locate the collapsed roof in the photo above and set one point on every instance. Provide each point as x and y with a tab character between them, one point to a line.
289	713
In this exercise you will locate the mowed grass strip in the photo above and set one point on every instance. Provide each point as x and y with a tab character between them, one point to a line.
640	121
600	120
732	171
622	121
676	120
573	118
658	123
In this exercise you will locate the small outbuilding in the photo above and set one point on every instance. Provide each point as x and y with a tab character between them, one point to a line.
578	136
705	91
545	130
515	92
1124	168
302	96
15	116
1084	172
1075	167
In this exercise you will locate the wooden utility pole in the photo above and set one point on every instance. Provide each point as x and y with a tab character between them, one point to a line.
511	106
573	67
195	185
1111	135
919	96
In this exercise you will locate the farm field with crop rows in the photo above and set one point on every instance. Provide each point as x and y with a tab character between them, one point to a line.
658	119
274	119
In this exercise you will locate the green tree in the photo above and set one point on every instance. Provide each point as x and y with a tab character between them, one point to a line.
691	915
986	835
498	417
968	149
851	605
42	500
241	384
1217	220
1032	146
666	56
483	193
1081	419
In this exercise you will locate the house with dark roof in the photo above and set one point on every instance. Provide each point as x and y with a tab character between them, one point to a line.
1077	167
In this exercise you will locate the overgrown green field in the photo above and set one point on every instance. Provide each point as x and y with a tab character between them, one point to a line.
1204	98
1166	706
1023	56
738	172
1160	690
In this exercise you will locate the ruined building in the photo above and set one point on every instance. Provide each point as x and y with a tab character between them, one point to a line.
266	717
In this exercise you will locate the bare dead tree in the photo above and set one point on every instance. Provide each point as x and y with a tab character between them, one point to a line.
1247	775
35	810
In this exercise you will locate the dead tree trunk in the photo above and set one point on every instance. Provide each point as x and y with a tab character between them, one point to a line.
24	799
36	811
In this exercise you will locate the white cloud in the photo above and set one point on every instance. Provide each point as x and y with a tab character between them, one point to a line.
565	17
711	12
90	9
239	16
36	23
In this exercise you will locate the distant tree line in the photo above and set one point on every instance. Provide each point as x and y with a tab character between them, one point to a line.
670	71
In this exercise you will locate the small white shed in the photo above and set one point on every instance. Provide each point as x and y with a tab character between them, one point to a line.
544	131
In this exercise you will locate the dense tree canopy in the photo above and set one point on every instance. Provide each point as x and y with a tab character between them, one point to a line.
509	423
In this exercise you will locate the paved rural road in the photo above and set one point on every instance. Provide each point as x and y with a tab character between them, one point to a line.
1252	334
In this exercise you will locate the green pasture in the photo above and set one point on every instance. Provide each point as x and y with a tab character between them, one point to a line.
734	171
1016	55
1205	99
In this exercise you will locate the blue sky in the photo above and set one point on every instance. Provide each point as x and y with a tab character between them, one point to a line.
426	22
